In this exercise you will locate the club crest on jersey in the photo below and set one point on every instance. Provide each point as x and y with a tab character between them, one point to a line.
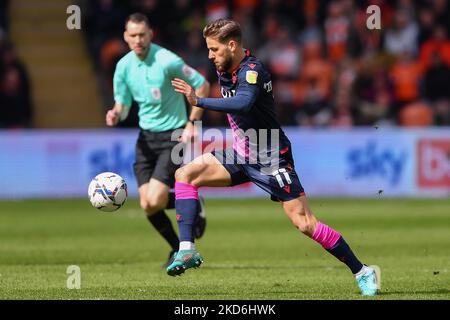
251	76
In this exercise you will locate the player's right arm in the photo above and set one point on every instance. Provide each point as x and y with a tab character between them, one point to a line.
247	92
122	97
241	103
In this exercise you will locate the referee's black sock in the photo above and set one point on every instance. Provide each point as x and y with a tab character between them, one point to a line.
171	202
162	223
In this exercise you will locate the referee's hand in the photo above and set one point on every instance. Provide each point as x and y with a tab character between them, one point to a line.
189	133
112	118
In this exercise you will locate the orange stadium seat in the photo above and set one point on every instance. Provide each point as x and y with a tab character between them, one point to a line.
417	114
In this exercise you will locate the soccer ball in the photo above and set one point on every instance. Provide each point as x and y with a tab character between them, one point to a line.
108	191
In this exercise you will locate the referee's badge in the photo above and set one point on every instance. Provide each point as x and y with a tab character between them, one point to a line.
156	93
251	76
187	71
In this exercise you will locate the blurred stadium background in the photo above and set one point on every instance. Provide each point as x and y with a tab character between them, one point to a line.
368	111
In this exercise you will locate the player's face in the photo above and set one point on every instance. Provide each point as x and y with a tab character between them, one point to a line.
220	54
138	36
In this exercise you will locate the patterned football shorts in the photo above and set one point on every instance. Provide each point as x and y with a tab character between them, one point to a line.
279	180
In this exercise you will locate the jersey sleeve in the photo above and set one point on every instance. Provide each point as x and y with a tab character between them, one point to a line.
179	69
122	94
248	89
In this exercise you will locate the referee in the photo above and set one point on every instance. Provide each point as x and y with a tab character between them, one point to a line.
144	75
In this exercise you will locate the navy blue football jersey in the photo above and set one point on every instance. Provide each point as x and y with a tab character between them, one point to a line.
249	104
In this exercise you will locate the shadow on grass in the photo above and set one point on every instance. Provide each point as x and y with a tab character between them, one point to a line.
264	267
235	294
388	293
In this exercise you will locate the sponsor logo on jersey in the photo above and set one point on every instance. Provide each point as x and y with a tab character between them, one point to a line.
227	93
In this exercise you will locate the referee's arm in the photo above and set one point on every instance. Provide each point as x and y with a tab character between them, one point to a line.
118	112
202	91
122	97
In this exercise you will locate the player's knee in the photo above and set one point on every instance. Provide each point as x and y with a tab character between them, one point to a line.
179	175
186	174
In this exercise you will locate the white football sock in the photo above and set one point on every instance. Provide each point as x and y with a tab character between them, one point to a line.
187	245
363	270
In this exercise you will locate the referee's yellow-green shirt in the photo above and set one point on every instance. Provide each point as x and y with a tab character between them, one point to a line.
148	83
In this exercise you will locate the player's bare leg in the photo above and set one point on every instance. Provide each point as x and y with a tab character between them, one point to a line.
302	217
153	197
205	170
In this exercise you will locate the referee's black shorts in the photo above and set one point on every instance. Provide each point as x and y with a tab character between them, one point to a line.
153	158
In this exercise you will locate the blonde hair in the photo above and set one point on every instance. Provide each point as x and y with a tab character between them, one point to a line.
223	30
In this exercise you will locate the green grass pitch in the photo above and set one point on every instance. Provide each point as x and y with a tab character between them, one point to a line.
250	248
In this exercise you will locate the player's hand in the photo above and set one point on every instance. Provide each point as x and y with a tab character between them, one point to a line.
112	118
182	87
